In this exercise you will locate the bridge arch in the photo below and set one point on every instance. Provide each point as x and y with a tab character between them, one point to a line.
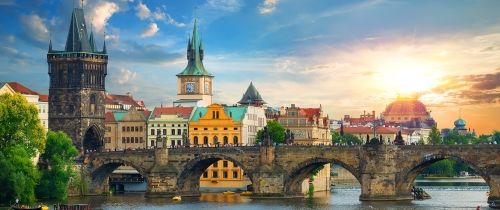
294	179
407	176
100	175
188	181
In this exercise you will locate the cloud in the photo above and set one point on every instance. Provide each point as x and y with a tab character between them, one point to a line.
143	12
268	6
151	30
101	12
9	38
125	76
35	27
215	9
132	52
7	2
15	56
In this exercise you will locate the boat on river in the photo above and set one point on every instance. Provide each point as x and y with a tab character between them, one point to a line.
246	193
228	192
177	198
72	207
27	207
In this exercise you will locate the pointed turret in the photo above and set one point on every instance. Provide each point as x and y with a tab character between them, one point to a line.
252	97
50	45
77	36
104	46
92	41
195	55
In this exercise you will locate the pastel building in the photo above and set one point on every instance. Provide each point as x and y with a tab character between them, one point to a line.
168	124
255	116
218	125
125	129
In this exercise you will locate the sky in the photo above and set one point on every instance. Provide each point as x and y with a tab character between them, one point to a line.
347	55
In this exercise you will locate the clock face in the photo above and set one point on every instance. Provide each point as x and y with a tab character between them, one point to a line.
190	87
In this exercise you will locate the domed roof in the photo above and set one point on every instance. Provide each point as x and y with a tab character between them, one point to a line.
460	123
406	106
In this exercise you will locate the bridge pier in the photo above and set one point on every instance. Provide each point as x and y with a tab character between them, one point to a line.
162	178
379	177
494	184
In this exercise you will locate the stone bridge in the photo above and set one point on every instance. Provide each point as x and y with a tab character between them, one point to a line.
385	172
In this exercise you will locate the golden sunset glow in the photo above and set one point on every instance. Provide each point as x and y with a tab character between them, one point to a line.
408	76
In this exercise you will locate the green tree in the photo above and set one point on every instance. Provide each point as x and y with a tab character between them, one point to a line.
19	175
276	131
336	138
443	168
19	124
58	159
347	139
496	137
434	136
482	139
21	137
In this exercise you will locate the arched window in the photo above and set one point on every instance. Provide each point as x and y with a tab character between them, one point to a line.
205	140
216	140
93	100
226	141
195	140
235	140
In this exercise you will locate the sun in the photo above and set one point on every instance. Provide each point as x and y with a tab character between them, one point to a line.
408	76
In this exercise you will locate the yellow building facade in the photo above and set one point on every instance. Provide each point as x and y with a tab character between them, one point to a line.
213	126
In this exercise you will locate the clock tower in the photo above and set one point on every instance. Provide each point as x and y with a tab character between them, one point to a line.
194	83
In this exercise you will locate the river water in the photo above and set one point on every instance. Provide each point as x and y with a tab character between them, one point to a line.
443	197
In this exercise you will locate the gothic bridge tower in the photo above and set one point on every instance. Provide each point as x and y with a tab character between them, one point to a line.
77	86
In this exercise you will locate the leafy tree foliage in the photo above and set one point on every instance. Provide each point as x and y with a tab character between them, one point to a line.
21	137
19	124
59	161
434	136
347	139
18	175
496	137
276	131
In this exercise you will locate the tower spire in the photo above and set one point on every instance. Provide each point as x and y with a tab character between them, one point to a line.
50	42
104	45
195	54
78	40
91	39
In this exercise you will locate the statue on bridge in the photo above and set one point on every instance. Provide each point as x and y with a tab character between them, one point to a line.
399	139
185	139
289	137
266	137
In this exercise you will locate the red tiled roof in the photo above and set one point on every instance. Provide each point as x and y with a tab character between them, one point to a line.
183	111
369	130
310	112
122	99
109	117
44	98
146	113
21	88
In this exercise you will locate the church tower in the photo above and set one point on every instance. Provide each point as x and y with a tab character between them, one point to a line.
194	84
77	86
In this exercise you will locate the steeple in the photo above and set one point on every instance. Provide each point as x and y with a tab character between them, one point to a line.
77	40
195	55
104	46
50	44
252	97
92	41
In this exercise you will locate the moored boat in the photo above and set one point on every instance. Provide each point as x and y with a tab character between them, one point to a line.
228	192
177	198
246	193
26	207
494	204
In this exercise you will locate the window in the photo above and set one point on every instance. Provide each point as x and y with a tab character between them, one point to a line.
172	132
178	142
178	125
136	140
136	129
225	129
216	140
164	131
216	164
173	125
195	129
128	129
152	131
224	174
215	129
205	174
225	140
173	143
141	140
205	140
123	140
140	129
205	129
93	101
195	140
224	163
179	131
185	125
123	129
235	140
235	129
215	174
235	174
